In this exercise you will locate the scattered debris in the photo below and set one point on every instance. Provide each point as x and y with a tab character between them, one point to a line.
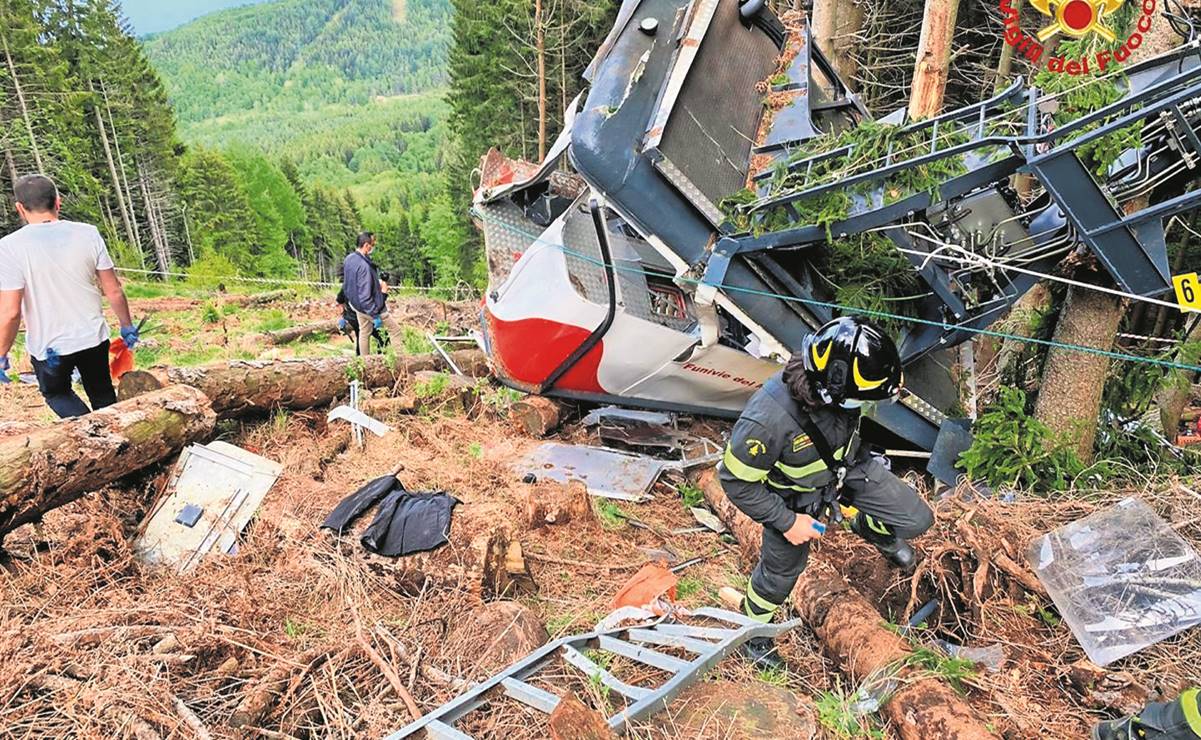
1122	579
213	493
653	588
607	473
359	419
405	523
708	644
656	431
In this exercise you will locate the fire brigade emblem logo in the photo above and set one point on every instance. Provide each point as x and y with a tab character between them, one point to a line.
1077	18
755	447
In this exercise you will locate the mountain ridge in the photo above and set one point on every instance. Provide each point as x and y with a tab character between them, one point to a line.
296	55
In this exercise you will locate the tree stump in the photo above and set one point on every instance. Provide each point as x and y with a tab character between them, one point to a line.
571	720
137	382
550	502
537	416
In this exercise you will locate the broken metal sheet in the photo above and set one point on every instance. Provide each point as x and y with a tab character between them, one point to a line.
1122	579
358	418
654	430
218	488
707	519
954	438
606	473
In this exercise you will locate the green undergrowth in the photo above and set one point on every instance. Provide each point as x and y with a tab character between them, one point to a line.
1012	448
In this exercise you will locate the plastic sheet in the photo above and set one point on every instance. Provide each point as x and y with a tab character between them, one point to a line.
1121	578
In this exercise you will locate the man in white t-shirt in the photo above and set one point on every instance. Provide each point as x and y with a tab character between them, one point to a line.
54	272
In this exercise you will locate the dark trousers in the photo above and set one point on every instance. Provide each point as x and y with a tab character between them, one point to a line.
54	381
873	490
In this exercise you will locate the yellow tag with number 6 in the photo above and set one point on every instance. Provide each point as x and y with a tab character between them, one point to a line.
1188	291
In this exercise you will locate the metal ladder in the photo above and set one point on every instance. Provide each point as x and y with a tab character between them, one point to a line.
708	645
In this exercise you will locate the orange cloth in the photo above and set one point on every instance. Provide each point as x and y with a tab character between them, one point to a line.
647	585
120	358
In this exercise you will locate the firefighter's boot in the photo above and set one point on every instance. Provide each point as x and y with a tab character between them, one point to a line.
899	552
1177	720
761	653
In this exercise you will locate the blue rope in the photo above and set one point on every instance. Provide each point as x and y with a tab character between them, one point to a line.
1168	364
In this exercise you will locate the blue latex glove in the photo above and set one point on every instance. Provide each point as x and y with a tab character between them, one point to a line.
130	335
4	365
379	322
341	324
52	359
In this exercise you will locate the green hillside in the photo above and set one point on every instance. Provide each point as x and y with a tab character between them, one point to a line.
297	55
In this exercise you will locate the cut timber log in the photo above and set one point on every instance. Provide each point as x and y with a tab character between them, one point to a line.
852	632
245	387
291	334
549	502
538	416
261	299
51	467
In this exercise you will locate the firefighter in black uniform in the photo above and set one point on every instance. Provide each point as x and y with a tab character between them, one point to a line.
794	458
1174	720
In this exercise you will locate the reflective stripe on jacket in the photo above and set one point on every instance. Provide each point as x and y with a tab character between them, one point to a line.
770	458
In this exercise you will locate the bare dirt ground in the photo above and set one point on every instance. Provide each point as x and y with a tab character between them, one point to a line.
312	637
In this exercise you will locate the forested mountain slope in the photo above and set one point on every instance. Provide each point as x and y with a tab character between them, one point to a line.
295	55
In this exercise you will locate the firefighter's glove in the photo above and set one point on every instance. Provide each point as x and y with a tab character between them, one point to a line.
130	335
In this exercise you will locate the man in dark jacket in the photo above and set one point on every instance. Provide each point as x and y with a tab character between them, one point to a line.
794	456
364	291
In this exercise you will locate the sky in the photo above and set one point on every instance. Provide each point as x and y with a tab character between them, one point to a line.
152	16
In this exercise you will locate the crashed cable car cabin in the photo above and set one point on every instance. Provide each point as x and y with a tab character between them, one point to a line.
620	271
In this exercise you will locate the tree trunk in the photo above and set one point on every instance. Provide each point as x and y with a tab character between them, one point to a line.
1069	397
48	468
12	70
245	387
262	299
137	235
162	252
1019	322
284	336
836	24
540	50
112	169
852	632
1005	63
1069	400
933	58
1174	395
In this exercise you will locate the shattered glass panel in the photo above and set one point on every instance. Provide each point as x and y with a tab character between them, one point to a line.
1122	579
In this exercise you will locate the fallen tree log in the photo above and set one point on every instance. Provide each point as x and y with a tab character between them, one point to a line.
50	467
243	387
851	631
261	299
291	334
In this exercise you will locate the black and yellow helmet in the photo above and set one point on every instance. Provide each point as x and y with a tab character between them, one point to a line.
851	360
